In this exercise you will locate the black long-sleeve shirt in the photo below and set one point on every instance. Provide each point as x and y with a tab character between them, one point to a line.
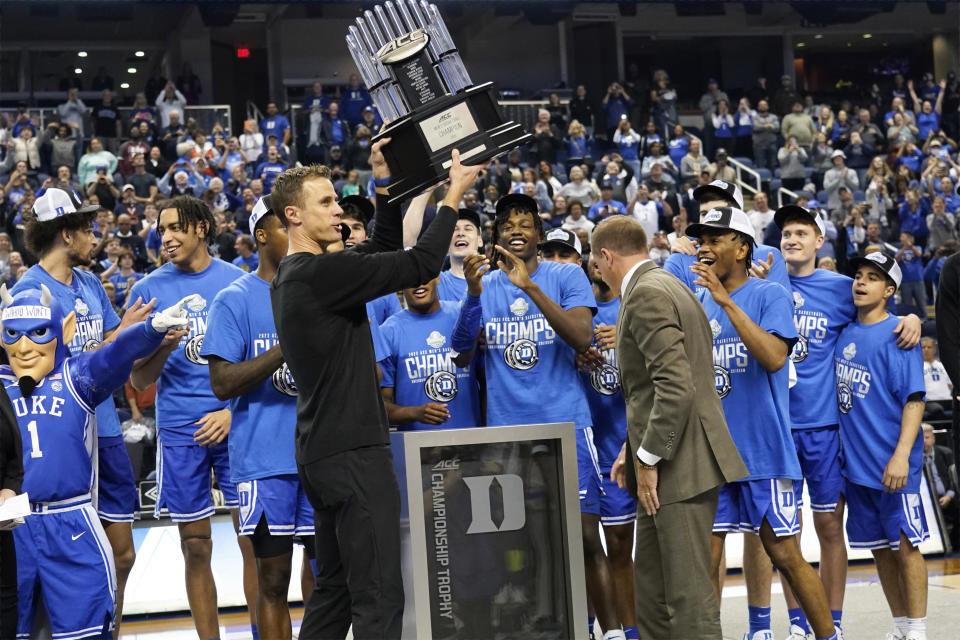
319	307
11	447
948	318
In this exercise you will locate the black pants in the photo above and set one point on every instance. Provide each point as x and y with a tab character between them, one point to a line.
356	504
8	586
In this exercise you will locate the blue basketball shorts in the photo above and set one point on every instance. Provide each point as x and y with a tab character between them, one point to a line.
875	519
117	498
820	460
588	472
279	499
63	549
744	505
184	480
617	506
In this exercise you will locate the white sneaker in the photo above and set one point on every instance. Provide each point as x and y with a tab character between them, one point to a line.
614	634
839	632
895	635
759	635
916	635
797	633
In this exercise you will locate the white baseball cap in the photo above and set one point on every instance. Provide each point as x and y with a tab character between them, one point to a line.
727	189
260	209
56	202
790	212
883	262
729	218
565	237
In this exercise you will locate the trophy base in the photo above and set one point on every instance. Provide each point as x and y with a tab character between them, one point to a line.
419	151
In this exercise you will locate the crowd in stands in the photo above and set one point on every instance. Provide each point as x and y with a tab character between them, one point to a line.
884	170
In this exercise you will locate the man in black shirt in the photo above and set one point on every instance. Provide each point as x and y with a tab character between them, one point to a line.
319	298
948	332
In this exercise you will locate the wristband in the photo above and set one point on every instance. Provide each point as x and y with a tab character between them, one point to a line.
381	182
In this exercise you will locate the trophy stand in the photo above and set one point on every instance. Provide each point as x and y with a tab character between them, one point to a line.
418	82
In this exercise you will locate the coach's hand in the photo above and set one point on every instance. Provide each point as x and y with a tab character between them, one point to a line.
895	473
433	413
515	268
473	269
647	478
215	427
589	360
377	162
462	177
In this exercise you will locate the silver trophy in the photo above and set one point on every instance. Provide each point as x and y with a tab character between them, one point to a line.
417	81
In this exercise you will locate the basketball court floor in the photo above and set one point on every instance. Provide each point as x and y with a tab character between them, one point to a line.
866	616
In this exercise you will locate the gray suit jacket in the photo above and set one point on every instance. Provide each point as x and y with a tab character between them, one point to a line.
665	354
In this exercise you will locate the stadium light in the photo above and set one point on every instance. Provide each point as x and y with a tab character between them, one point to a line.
819	36
81	54
132	70
139	54
867	36
124	85
801	44
78	70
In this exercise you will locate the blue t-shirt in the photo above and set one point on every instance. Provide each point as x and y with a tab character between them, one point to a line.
605	397
352	103
321	101
95	315
756	403
379	309
451	287
616	205
275	125
240	327
874	379
679	265
247	264
270	172
629	147
926	124
234	159
120	283
531	375
822	307
419	368
911	266
678	149
183	390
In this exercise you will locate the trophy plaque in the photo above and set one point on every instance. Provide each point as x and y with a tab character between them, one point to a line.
417	81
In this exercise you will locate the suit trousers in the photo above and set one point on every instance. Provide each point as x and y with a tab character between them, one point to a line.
356	504
674	596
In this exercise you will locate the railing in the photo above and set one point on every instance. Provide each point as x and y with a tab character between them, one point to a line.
253	111
744	169
205	116
783	191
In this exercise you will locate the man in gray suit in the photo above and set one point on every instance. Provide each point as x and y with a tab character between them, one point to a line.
677	439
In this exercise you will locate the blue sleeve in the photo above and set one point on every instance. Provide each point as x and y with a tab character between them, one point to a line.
379	348
97	374
464	337
576	290
911	372
139	289
224	337
778	272
388	363
674	266
110	318
776	316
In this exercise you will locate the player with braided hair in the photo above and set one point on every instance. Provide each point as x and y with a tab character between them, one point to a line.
535	317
